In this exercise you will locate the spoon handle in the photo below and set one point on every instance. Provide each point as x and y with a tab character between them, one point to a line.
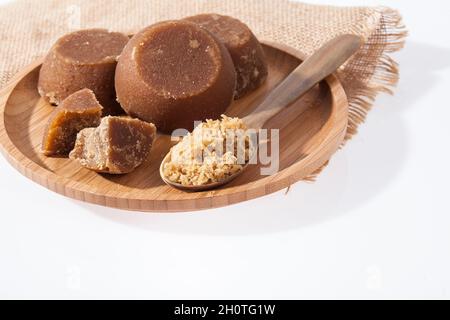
317	67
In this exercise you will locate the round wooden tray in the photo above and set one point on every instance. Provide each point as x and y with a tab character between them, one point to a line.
311	130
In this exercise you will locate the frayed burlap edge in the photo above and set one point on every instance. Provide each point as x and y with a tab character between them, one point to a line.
383	78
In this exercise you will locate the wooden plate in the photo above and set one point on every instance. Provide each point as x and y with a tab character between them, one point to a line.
311	130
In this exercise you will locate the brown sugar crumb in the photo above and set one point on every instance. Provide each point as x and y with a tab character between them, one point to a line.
118	146
79	111
194	44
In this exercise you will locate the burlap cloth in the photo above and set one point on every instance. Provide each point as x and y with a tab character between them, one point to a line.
29	28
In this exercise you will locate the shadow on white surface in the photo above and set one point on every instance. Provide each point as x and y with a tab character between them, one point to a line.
356	175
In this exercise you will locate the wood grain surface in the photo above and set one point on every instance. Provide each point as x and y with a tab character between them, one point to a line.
311	130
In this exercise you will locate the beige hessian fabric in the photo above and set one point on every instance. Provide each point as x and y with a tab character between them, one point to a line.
30	27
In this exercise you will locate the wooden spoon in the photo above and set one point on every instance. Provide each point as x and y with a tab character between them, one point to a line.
313	70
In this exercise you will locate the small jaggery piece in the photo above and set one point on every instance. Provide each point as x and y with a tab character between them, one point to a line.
214	151
79	111
83	59
118	146
174	73
246	51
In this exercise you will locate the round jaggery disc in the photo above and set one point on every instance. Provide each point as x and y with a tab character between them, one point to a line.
83	59
175	73
246	51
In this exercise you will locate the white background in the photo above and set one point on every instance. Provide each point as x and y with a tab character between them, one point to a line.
375	225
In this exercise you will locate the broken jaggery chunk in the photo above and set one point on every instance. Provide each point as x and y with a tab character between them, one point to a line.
245	49
79	111
119	145
174	73
211	153
83	59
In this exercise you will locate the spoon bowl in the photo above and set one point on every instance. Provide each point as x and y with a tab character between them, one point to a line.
199	188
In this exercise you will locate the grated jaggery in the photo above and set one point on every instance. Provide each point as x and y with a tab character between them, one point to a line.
214	151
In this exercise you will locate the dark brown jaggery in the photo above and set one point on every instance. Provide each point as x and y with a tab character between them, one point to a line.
245	49
175	73
83	59
78	111
118	146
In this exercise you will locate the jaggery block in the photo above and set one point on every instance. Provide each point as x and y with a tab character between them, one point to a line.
83	59
119	145
175	73
245	49
79	111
